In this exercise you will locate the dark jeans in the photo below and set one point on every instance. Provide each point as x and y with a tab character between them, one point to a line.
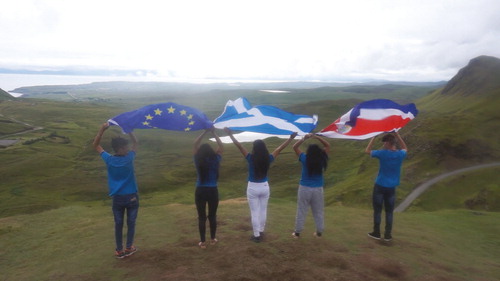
386	197
202	197
125	203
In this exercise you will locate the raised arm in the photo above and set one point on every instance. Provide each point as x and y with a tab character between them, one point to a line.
401	142
220	147
296	145
277	151
368	148
235	141
326	145
134	140
98	137
197	142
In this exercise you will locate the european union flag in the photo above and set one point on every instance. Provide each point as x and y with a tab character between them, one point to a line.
167	116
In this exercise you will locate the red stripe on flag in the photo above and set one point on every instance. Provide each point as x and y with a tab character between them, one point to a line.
364	126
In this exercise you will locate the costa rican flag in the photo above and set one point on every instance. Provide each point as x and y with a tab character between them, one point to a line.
371	118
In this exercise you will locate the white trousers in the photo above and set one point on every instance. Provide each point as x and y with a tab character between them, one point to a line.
258	196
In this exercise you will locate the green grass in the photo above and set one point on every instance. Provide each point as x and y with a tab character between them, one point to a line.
55	220
77	242
69	168
477	190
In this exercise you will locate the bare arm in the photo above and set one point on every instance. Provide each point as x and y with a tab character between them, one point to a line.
296	146
326	145
277	151
98	137
135	143
220	147
369	147
235	141
197	142
401	142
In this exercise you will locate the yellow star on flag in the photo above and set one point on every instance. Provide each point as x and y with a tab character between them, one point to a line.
158	111
149	117
183	112
171	109
187	129
191	123
190	116
145	123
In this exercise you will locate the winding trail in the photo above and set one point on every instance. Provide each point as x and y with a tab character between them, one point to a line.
423	187
32	128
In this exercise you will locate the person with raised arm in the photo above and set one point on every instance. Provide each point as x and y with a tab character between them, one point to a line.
384	191
207	161
310	192
122	187
258	160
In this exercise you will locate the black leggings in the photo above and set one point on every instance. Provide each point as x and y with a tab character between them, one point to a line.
204	195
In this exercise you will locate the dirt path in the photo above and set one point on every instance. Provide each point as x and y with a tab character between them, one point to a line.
423	187
33	128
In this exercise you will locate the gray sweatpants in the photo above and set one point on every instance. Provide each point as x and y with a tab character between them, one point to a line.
310	197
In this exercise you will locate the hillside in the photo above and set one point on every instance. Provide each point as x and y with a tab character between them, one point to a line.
464	115
5	96
64	145
56	221
479	77
76	243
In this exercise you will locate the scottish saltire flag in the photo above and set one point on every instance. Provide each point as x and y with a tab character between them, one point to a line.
239	115
168	116
371	118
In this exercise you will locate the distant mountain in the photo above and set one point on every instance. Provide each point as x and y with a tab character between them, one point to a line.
4	95
480	76
187	87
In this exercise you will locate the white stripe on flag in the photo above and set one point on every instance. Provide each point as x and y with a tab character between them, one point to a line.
379	114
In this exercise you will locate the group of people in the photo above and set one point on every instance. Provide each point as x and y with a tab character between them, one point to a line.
123	186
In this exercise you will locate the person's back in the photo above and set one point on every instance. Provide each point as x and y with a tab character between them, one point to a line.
384	191
121	175
390	166
122	187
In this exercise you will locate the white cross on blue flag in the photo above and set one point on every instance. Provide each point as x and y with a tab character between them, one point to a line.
239	115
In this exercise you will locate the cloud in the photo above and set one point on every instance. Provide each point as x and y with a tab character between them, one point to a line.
409	40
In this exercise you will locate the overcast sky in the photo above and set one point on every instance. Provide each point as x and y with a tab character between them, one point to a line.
426	40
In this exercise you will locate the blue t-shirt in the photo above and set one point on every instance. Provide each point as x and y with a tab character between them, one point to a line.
121	177
213	169
251	170
390	166
306	179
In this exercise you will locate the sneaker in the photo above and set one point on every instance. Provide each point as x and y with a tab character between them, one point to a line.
255	239
119	254
374	235
130	251
317	234
261	235
202	245
214	241
387	237
295	235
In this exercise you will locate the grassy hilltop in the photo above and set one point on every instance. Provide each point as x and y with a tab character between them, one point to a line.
53	187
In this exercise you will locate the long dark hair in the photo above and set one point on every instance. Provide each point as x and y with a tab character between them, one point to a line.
204	156
316	160
260	156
